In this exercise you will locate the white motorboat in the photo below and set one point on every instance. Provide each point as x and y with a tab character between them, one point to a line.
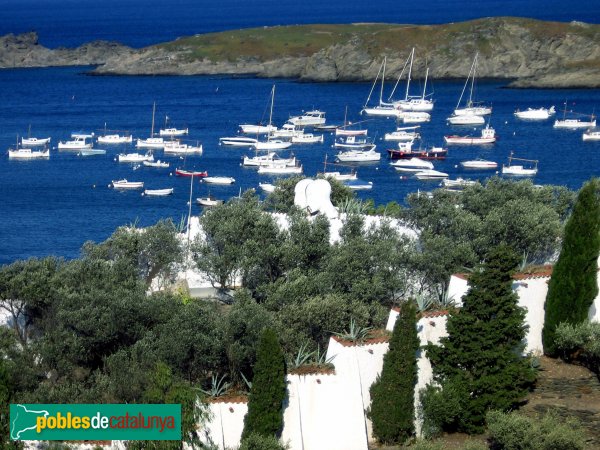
352	143
267	187
414	116
309	118
535	114
574	123
359	156
158	164
33	141
457	184
258	129
411	165
114	139
238	141
466	119
277	168
179	148
158	192
341	176
152	142
307	138
272	144
430	174
479	164
488	136
173	131
134	157
591	136
471	108
124	184
403	134
81	135
263	160
520	170
218	180
78	142
287	130
92	152
349	132
27	153
359	185
209	201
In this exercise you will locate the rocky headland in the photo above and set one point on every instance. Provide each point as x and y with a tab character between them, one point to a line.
527	53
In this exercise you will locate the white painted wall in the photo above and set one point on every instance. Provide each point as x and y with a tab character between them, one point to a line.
321	415
225	428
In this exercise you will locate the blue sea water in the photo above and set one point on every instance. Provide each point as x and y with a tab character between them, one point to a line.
144	22
53	206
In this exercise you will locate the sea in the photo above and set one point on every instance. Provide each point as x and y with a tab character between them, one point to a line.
53	206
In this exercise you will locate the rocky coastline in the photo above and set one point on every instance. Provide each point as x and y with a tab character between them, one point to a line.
526	53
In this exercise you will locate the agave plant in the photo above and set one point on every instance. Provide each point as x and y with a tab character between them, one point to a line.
352	206
320	358
218	386
355	333
247	382
423	301
303	357
446	301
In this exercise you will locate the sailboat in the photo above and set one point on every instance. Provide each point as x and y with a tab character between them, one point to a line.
270	143
383	109
472	110
151	142
411	102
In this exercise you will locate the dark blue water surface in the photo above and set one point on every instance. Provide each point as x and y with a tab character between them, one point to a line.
144	22
53	206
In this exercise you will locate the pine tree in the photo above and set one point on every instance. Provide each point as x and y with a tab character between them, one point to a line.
265	403
479	365
392	394
574	282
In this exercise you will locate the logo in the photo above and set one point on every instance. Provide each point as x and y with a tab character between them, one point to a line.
95	422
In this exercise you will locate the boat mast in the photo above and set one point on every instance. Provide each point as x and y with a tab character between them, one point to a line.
425	85
382	81
153	111
412	55
373	87
473	81
466	83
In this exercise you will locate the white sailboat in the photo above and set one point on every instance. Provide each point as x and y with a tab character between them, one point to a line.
414	103
271	143
471	108
520	170
382	109
152	141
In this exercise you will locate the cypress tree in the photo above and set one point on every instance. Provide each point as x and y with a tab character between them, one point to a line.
265	403
574	282
392	395
479	365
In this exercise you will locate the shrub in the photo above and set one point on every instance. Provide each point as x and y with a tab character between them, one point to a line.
574	282
514	431
257	442
581	342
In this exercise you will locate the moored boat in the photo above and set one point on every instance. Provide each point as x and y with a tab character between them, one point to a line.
276	168
535	114
158	192
92	152
488	136
237	141
27	153
432	153
257	129
411	165
591	136
158	164
218	180
520	170
430	174
267	187
479	164
459	183
113	139
173	131
191	173
78	142
309	118
359	185
307	138
134	157
574	123
33	141
124	184
177	147
466	119
403	134
359	155
208	201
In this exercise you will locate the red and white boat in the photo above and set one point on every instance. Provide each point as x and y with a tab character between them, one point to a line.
190	173
432	153
488	136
